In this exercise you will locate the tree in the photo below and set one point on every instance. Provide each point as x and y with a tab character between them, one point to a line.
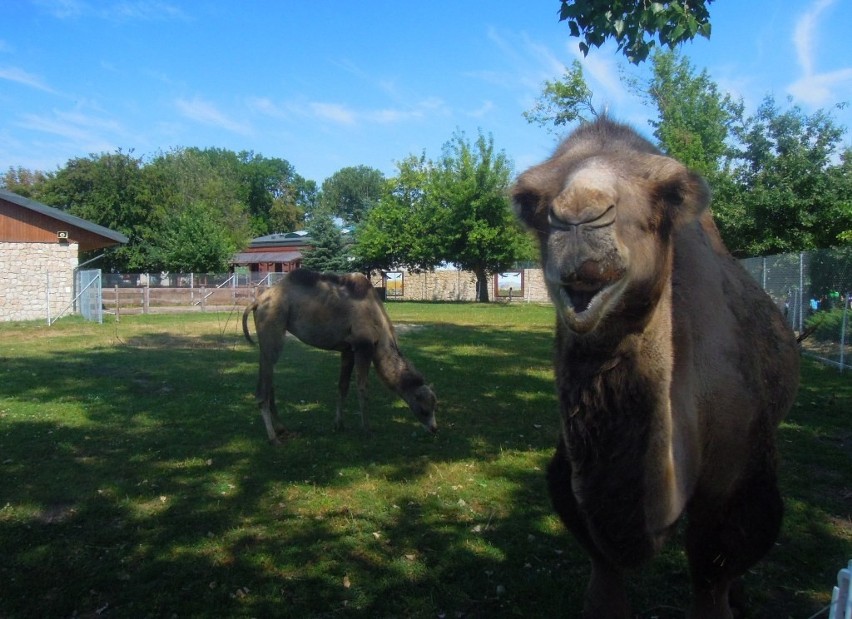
633	24
563	101
110	190
790	186
193	242
396	232
351	192
24	182
329	251
454	210
195	181
694	120
275	196
469	189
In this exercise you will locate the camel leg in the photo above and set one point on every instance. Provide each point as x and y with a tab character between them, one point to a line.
606	594
347	363
270	351
725	537
362	372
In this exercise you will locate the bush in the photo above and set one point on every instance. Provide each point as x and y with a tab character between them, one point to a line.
828	325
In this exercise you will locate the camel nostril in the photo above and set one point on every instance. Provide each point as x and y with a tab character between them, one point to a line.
590	272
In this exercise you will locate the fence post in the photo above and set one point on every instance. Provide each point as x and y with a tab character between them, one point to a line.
203	298
48	298
801	290
843	330
117	305
146	299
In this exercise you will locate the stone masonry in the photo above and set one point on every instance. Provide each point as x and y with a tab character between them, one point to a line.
454	285
36	280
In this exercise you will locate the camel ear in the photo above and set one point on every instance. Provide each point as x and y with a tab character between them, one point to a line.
424	394
684	193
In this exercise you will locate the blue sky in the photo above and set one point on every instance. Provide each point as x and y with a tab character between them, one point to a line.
331	84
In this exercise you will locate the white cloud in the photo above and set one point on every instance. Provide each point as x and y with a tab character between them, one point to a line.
334	112
482	110
266	106
803	35
207	113
87	133
143	10
14	74
819	89
63	9
814	88
125	10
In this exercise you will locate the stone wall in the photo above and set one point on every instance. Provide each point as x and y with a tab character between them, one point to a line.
32	273
454	285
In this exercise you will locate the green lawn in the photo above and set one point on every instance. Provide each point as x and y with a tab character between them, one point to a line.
136	479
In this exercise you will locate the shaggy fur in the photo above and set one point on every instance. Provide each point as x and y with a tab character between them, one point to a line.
673	368
334	312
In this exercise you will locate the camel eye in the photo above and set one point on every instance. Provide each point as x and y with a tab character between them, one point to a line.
606	219
557	223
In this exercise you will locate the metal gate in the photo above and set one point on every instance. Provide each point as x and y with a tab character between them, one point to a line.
89	297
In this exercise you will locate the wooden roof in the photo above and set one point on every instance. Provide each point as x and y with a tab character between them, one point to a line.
26	221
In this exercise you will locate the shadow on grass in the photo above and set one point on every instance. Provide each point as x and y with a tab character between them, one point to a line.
135	480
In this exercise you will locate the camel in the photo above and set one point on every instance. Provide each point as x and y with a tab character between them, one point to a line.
673	369
334	312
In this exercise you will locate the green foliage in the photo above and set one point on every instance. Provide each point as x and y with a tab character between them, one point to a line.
563	101
329	251
468	187
694	119
829	325
351	192
634	24
453	210
23	182
392	234
787	191
239	195
110	190
193	242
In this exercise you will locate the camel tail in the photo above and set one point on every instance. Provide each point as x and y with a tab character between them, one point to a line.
249	309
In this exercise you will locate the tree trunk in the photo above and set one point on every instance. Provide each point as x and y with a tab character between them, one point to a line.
481	285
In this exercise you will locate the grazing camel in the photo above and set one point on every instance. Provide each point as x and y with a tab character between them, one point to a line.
334	312
673	369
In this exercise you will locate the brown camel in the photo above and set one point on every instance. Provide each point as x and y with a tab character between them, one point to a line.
334	312
673	369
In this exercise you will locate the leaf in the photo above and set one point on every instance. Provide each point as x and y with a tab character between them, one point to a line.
346	582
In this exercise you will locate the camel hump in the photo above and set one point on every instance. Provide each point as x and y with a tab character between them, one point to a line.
304	277
356	284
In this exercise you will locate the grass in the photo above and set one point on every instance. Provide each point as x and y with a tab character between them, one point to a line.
136	480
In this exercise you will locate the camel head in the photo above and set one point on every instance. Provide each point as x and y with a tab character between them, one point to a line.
422	402
604	207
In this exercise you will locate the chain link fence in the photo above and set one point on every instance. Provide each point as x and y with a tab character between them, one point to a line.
814	290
